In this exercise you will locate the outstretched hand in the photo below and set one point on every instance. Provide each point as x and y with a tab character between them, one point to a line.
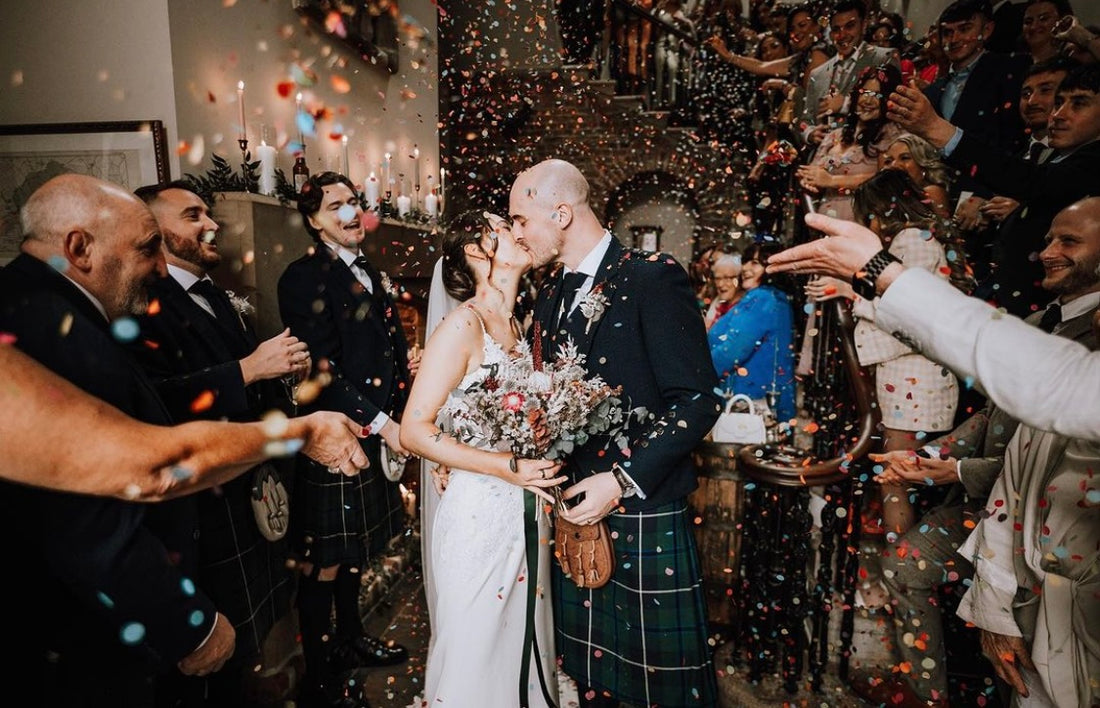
333	441
910	108
907	467
850	249
1006	654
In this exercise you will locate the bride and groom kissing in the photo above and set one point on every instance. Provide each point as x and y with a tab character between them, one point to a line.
498	620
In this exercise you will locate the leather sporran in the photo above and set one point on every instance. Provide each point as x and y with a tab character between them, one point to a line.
585	553
270	502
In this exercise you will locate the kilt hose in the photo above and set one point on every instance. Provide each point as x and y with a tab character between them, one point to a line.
335	519
642	638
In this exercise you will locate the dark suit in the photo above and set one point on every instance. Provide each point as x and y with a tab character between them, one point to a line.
987	106
357	338
1042	190
85	572
931	557
188	353
649	340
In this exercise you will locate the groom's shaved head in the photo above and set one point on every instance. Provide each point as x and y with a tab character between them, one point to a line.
554	182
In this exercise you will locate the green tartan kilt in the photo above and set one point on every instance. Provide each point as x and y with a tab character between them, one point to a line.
642	638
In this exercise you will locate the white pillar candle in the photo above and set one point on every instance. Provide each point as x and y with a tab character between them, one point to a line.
403	205
431	204
267	155
371	188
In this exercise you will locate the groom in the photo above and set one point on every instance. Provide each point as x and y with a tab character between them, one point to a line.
640	639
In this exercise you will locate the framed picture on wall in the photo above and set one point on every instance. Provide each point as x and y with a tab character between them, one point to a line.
128	153
647	238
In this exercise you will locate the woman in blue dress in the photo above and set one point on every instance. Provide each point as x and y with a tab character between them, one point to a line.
751	344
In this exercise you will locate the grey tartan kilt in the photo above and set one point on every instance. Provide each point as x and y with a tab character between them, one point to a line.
335	519
642	638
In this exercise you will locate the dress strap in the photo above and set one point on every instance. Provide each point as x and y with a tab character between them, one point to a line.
471	308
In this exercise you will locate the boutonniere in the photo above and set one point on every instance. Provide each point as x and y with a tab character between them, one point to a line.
593	306
240	304
389	286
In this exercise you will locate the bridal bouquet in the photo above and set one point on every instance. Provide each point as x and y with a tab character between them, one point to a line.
537	410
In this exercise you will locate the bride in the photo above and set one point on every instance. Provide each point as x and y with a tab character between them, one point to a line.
492	625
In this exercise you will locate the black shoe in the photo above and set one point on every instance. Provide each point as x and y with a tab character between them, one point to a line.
375	652
347	695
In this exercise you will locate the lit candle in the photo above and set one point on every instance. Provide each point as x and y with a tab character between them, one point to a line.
298	120
372	191
416	168
347	165
240	109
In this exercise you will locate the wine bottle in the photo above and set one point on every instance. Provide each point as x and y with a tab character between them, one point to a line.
301	172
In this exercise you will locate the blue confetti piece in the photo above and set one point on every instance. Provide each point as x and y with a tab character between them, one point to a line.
188	587
105	600
132	633
196	618
125	329
58	263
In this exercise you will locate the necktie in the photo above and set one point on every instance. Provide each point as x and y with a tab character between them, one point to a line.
1035	152
219	303
1051	318
569	287
363	264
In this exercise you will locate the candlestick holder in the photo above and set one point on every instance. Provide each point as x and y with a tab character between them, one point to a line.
242	143
417	197
389	193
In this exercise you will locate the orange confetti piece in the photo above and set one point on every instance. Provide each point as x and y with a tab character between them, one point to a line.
202	402
340	84
154	307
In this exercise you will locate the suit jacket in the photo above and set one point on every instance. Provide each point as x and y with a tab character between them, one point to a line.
87	571
187	352
354	335
988	106
1042	190
650	340
821	80
979	443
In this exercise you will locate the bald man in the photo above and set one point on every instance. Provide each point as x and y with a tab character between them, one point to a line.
634	316
99	590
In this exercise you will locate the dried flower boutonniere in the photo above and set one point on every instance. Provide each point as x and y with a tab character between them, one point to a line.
593	306
240	304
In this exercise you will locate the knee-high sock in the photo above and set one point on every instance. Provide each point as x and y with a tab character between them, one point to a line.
314	620
349	623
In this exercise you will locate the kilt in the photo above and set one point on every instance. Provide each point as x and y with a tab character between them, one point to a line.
335	519
241	571
642	638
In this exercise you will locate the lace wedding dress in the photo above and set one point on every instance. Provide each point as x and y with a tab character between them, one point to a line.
480	584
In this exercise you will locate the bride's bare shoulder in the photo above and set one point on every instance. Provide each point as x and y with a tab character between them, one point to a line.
459	327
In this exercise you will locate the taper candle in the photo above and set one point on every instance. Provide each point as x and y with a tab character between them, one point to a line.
240	108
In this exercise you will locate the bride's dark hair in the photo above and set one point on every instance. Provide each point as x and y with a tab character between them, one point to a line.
458	277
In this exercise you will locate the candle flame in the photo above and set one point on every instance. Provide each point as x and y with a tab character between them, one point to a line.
240	86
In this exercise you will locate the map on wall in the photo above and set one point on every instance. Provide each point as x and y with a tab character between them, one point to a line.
129	154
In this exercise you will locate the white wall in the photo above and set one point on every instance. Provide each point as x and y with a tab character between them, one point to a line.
258	42
63	61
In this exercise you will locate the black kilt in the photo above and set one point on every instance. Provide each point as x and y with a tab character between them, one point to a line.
642	638
336	519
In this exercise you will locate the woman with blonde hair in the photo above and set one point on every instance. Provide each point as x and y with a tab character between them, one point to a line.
916	156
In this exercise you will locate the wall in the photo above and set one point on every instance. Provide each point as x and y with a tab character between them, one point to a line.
264	43
87	61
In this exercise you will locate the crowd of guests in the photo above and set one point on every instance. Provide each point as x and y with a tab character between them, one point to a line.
971	154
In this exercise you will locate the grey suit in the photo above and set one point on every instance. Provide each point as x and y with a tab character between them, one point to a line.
834	77
930	557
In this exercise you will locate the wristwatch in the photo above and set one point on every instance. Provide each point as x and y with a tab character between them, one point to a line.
627	487
863	280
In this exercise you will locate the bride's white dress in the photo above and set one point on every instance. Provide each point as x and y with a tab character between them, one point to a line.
480	578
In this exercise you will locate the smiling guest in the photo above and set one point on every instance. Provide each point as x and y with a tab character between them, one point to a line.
335	301
1044	189
726	274
751	344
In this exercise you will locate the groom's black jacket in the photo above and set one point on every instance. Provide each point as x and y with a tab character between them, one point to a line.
650	340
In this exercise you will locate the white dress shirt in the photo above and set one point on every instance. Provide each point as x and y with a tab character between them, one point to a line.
186	279
1040	379
589	265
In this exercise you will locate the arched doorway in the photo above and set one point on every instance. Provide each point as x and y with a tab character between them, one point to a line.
655	210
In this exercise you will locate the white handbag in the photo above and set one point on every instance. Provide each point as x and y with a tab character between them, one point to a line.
739	428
